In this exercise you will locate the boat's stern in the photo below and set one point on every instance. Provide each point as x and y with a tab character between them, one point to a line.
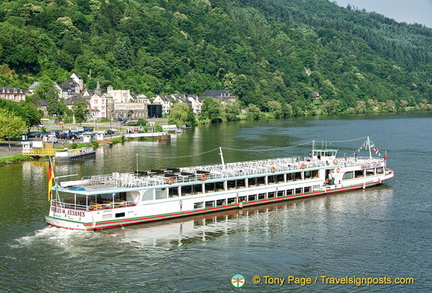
388	174
69	218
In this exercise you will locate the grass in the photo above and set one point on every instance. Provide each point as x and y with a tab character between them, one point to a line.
13	159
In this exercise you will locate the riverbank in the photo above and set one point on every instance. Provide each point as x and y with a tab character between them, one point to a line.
14	153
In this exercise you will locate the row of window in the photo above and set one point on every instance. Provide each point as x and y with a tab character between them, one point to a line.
252	197
363	173
95	199
237	183
207	187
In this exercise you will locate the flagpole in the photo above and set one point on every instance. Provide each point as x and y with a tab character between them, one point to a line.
50	177
222	158
370	151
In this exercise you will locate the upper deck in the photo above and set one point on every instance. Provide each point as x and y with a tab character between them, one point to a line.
129	181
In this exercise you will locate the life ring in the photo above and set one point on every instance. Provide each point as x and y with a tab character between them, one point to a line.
303	165
273	169
337	170
203	177
170	180
335	161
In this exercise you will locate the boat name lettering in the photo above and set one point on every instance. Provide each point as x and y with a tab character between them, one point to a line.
68	212
76	213
368	166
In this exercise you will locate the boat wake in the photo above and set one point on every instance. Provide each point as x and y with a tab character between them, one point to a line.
60	240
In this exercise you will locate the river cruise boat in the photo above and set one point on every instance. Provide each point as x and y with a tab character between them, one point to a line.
118	199
67	155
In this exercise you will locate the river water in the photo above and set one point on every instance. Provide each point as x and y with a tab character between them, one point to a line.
381	232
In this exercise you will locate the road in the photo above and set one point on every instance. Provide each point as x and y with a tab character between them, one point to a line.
16	148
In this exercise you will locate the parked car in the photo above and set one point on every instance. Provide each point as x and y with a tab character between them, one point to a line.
67	135
130	123
77	134
52	138
38	134
78	129
55	132
60	123
109	132
34	134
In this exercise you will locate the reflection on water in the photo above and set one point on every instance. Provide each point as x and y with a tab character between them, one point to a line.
271	218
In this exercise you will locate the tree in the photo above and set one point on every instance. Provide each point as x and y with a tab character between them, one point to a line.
47	91
190	119
11	125
253	112
275	108
179	114
123	52
29	114
53	102
24	109
232	111
287	110
80	112
211	110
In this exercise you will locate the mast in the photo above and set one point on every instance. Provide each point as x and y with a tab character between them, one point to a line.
369	146
222	158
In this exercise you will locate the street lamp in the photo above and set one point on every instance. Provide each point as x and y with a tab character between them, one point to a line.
94	111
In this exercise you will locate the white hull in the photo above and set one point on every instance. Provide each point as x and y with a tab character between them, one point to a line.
140	210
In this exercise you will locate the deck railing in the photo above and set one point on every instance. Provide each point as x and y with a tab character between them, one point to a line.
39	152
92	206
214	172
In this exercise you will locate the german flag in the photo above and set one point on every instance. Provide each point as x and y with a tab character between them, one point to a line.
50	178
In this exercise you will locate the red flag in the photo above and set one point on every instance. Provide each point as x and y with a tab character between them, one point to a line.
385	157
50	178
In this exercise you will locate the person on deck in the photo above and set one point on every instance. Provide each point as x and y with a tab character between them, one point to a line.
330	178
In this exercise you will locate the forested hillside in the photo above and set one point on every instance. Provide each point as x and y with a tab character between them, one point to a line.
261	50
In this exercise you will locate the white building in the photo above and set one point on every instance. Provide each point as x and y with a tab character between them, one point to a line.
195	103
98	106
165	102
119	96
78	80
12	94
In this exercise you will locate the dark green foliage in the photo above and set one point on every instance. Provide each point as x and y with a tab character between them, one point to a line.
24	110
142	122
190	119
260	50
232	111
80	111
211	110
